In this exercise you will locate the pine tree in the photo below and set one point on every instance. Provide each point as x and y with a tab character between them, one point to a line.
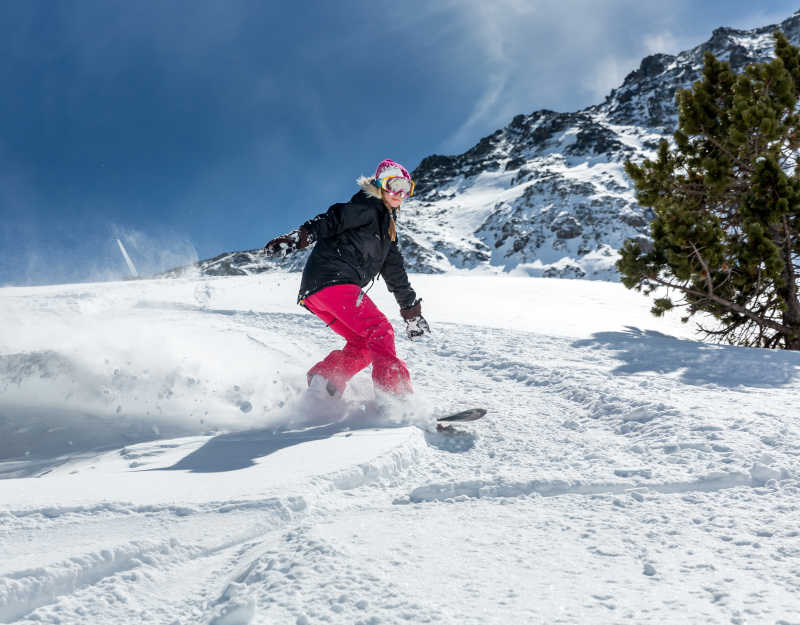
726	195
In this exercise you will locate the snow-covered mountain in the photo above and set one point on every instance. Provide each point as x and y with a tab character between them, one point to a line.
547	195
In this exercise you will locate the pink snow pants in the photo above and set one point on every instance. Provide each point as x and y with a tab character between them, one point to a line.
369	339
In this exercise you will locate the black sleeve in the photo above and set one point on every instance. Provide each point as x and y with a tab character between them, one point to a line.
394	272
338	218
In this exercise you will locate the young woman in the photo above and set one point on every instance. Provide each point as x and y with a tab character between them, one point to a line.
356	241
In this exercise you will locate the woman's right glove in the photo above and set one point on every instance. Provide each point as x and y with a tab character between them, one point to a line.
288	243
416	325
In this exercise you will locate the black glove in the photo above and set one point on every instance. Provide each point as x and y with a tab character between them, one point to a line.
288	243
416	325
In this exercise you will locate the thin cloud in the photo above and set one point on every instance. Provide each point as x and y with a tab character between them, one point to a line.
661	43
608	72
486	106
490	24
552	54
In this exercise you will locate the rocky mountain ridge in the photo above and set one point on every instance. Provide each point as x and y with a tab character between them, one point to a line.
547	195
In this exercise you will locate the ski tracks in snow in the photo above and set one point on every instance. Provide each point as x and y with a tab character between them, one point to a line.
634	475
603	486
148	563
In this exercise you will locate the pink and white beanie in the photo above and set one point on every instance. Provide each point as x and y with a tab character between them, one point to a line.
388	167
385	168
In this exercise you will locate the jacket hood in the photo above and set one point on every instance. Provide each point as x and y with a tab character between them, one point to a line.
368	186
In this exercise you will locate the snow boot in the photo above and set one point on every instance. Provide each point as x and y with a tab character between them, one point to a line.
321	388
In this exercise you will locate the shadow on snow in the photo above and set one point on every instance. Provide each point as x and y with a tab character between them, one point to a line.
240	450
699	363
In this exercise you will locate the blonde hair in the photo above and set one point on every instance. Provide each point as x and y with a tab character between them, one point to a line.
370	188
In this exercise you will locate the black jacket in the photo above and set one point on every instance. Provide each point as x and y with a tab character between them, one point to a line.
352	247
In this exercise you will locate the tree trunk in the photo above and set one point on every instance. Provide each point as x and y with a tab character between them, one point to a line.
789	293
791	318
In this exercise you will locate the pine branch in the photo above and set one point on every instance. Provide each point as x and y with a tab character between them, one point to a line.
727	304
706	270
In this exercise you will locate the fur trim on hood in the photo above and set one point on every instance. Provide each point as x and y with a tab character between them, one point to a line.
368	186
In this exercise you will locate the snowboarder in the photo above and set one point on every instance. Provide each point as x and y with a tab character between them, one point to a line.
356	241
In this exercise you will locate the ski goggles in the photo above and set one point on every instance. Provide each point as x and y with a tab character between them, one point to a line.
396	185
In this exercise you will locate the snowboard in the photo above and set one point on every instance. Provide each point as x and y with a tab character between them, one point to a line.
473	414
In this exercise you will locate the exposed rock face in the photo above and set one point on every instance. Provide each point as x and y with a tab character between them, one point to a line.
547	195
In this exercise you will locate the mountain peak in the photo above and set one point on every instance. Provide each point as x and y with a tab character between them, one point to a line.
547	195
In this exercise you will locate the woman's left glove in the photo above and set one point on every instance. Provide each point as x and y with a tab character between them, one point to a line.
416	325
288	243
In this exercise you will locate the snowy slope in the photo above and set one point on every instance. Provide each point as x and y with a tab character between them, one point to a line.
161	467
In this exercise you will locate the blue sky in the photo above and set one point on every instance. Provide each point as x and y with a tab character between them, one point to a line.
188	128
